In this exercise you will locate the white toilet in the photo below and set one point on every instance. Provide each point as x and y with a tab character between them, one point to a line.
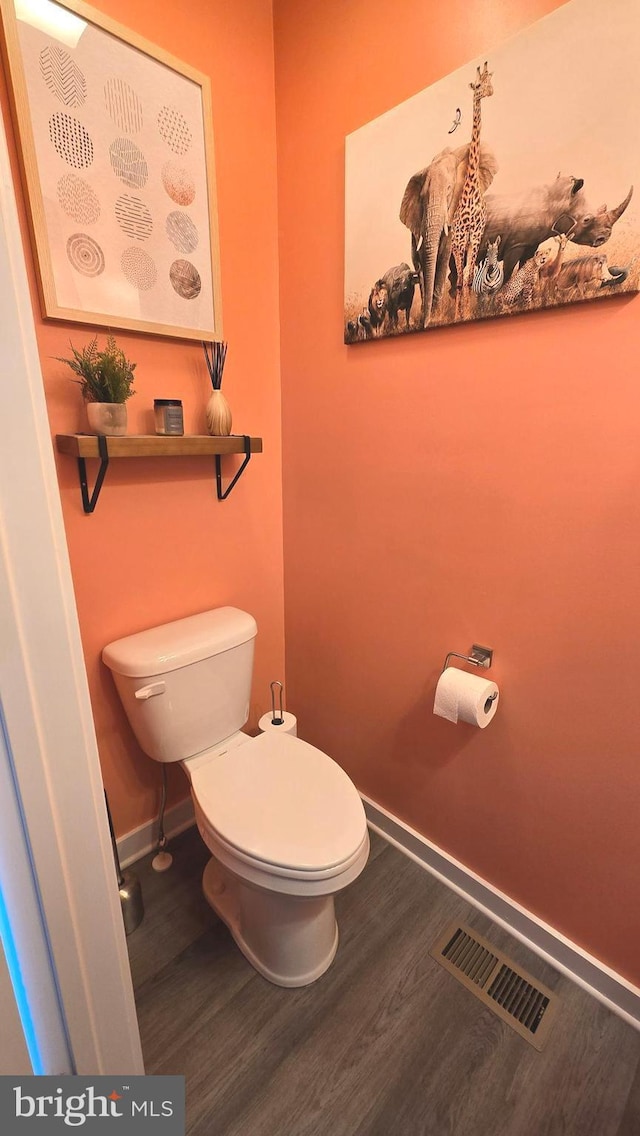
283	822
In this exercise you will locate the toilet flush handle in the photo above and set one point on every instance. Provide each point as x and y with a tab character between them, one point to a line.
150	691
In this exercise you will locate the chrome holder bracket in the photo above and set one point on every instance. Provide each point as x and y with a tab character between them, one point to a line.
479	657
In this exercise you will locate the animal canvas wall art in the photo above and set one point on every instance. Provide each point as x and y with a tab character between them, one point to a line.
532	207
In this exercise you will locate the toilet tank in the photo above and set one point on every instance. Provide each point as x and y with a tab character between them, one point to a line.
185	686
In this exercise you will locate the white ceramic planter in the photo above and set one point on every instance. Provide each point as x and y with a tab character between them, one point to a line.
107	417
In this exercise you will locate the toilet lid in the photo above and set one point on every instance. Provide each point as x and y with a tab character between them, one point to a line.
282	801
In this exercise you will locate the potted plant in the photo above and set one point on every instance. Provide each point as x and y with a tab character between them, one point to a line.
105	379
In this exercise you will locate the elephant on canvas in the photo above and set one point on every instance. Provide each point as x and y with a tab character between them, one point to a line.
428	206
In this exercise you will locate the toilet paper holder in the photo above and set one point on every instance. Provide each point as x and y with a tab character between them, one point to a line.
479	657
277	711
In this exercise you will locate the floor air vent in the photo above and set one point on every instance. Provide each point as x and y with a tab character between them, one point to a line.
520	1000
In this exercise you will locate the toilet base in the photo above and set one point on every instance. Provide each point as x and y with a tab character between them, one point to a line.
290	940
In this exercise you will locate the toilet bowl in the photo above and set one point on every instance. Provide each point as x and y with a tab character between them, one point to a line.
286	830
283	822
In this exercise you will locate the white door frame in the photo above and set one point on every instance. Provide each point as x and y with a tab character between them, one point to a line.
14	1055
22	926
45	699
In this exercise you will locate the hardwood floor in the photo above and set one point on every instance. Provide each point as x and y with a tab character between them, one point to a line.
386	1043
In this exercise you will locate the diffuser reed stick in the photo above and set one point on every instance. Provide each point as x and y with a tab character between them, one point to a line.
218	409
215	354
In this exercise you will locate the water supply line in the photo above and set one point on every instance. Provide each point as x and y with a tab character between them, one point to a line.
162	859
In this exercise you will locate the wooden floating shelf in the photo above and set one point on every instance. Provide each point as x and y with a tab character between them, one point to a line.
83	446
154	445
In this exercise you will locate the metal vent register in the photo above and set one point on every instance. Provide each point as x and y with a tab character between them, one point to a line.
520	1000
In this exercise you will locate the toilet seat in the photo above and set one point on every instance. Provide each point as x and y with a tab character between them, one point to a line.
279	805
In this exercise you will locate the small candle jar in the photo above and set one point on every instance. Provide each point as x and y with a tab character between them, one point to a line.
168	416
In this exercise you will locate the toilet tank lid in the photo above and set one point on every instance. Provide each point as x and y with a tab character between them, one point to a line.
178	644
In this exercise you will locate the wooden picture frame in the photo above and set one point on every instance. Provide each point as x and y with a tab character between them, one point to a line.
115	141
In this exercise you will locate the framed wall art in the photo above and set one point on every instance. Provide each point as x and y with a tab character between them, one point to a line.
116	146
506	187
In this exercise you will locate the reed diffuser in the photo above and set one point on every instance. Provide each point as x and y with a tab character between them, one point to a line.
218	409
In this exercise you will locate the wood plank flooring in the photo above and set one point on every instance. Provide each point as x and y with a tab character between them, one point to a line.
386	1043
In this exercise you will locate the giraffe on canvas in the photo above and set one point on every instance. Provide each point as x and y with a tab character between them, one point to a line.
470	217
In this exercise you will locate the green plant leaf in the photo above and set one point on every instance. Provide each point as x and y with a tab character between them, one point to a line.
103	376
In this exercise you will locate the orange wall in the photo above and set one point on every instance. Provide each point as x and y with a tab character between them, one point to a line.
160	546
474	484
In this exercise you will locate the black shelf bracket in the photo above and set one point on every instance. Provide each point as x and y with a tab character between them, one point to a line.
247	454
89	501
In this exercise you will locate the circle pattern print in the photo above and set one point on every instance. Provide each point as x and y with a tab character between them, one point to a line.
62	76
185	279
123	105
174	130
133	217
178	183
139	268
78	200
181	231
71	140
128	163
85	254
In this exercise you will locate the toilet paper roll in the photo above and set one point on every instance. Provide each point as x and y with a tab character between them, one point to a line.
285	723
464	697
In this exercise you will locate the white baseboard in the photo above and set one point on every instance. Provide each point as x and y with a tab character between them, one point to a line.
137	843
619	995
